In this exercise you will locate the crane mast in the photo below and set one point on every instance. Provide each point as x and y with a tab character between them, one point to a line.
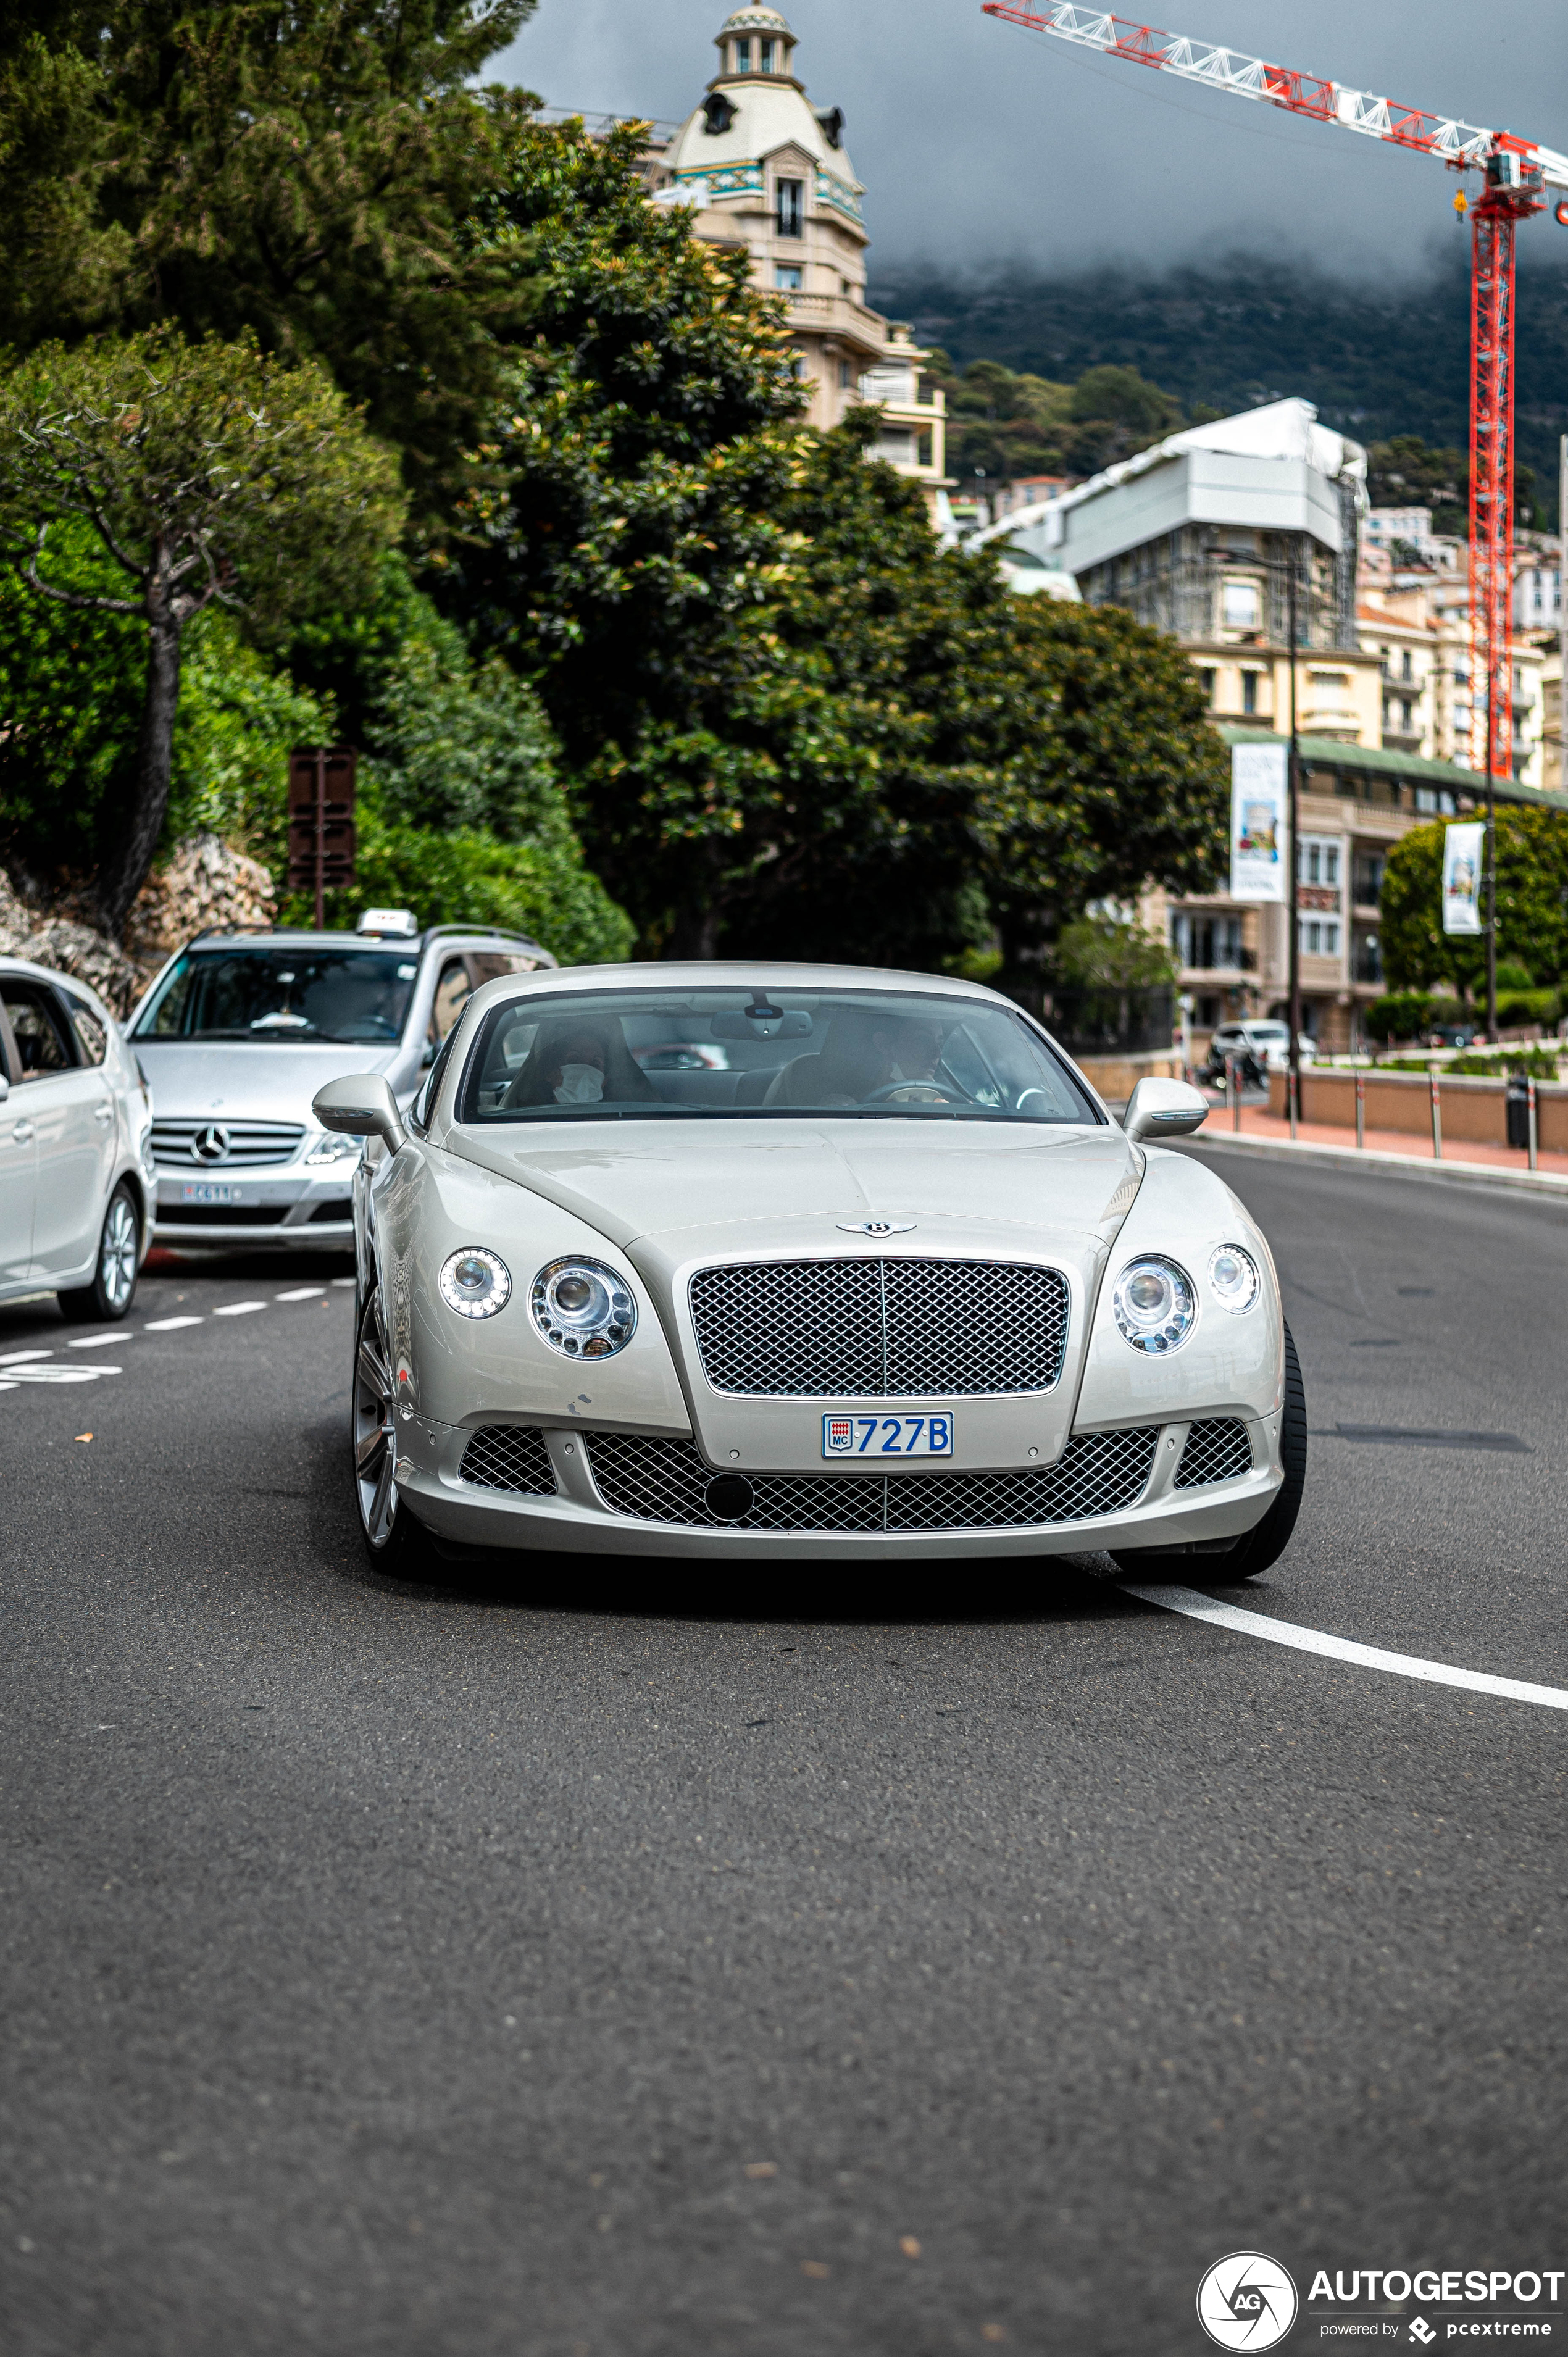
1516	174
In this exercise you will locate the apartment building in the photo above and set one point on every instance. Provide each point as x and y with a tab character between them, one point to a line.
766	173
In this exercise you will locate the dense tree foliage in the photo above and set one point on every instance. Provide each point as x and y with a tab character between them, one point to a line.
1003	424
1532	908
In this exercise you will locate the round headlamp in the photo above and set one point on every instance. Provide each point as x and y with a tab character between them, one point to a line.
1153	1304
583	1310
475	1282
1233	1278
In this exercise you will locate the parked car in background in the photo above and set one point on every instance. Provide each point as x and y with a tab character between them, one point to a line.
239	1030
77	1179
1258	1047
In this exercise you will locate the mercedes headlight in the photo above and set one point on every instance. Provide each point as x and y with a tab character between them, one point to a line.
332	1147
1233	1278
1153	1304
475	1282
583	1309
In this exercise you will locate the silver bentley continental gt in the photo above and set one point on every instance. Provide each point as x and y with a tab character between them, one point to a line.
868	1274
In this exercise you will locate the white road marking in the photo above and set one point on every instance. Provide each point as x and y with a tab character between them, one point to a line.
237	1308
345	1280
1342	1649
301	1293
18	1358
116	1334
61	1375
167	1325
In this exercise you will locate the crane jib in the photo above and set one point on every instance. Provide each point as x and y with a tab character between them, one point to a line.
1465	145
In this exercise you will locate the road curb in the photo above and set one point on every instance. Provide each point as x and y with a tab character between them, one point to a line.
1385	1166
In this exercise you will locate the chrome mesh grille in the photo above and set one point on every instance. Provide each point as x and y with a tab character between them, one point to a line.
509	1456
250	1143
879	1329
666	1481
1217	1450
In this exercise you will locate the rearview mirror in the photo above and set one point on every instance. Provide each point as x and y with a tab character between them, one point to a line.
361	1105
1164	1109
788	1023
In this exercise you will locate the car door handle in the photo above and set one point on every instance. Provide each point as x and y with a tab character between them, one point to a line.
23	1132
102	1112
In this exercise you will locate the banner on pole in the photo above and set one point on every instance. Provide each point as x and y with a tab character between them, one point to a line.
1258	825
1462	856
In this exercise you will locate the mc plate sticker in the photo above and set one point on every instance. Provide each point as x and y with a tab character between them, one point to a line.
886	1436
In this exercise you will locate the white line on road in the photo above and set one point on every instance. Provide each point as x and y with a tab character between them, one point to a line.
61	1375
19	1358
167	1325
1342	1649
116	1334
237	1308
301	1293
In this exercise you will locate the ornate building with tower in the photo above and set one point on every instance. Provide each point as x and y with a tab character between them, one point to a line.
769	173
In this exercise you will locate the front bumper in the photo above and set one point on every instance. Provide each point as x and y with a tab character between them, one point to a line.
576	1520
295	1212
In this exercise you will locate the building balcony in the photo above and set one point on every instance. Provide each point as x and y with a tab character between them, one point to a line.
840	315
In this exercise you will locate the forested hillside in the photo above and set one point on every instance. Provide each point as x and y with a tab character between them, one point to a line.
1378	361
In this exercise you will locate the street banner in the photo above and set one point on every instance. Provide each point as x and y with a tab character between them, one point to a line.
1461	855
1258	825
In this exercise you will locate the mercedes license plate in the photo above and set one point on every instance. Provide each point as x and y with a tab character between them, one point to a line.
886	1436
207	1190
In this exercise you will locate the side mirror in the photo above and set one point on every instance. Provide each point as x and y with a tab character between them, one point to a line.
360	1106
1164	1109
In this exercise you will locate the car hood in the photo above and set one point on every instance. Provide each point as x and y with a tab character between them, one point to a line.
249	1082
697	1186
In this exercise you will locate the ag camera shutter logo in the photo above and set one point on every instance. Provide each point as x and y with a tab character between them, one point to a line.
1246	2301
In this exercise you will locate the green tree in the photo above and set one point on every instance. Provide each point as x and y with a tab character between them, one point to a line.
338	151
1532	907
203	473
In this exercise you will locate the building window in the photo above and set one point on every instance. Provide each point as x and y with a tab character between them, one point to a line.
791	196
1317	861
767	49
846	374
1405	672
1248	689
742	54
1404	713
1239	603
786	275
1369	883
1203	943
1208	676
1318	939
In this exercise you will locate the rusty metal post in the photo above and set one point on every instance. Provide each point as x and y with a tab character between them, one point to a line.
1233	1092
1360	1110
1292	1095
1437	1113
1531	1101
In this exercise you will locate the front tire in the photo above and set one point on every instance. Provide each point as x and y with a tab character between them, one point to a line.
1265	1543
395	1543
113	1285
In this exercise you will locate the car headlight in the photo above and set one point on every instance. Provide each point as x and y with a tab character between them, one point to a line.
1153	1304
583	1309
330	1148
1233	1278
475	1282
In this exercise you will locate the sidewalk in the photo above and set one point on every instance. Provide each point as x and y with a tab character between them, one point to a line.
1464	1160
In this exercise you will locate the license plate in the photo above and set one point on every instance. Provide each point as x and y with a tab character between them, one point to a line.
207	1190
886	1436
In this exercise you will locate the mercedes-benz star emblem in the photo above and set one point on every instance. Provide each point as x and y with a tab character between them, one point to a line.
876	1227
210	1143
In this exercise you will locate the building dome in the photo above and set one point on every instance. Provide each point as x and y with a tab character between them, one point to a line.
755	20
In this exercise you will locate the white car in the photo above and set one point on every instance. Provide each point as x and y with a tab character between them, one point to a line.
77	1176
890	1284
1262	1039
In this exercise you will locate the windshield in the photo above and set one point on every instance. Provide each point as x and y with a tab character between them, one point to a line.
717	1054
268	994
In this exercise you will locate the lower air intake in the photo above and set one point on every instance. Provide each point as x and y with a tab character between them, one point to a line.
1216	1450
666	1481
509	1456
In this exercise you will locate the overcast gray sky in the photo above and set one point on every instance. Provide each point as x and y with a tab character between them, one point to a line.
981	144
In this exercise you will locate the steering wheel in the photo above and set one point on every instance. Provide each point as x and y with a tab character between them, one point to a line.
916	1092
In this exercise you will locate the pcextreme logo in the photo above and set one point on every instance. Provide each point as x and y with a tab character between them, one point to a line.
1246	2301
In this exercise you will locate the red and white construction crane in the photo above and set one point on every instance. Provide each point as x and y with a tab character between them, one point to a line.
1516	174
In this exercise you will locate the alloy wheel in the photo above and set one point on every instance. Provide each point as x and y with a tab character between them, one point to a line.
117	1256
375	1429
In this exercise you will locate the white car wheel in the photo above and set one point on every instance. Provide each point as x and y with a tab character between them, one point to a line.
113	1285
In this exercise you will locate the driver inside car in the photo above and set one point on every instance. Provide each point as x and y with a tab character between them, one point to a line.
911	1051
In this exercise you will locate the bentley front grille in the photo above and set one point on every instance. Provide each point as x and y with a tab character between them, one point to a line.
509	1456
234	1145
665	1481
1217	1450
879	1329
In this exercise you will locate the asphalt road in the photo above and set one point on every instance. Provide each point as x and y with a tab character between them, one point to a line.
585	1962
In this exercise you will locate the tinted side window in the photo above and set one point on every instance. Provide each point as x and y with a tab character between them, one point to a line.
452	994
37	1029
91	1036
419	1111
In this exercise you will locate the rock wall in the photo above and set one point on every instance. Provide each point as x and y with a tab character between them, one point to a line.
205	884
